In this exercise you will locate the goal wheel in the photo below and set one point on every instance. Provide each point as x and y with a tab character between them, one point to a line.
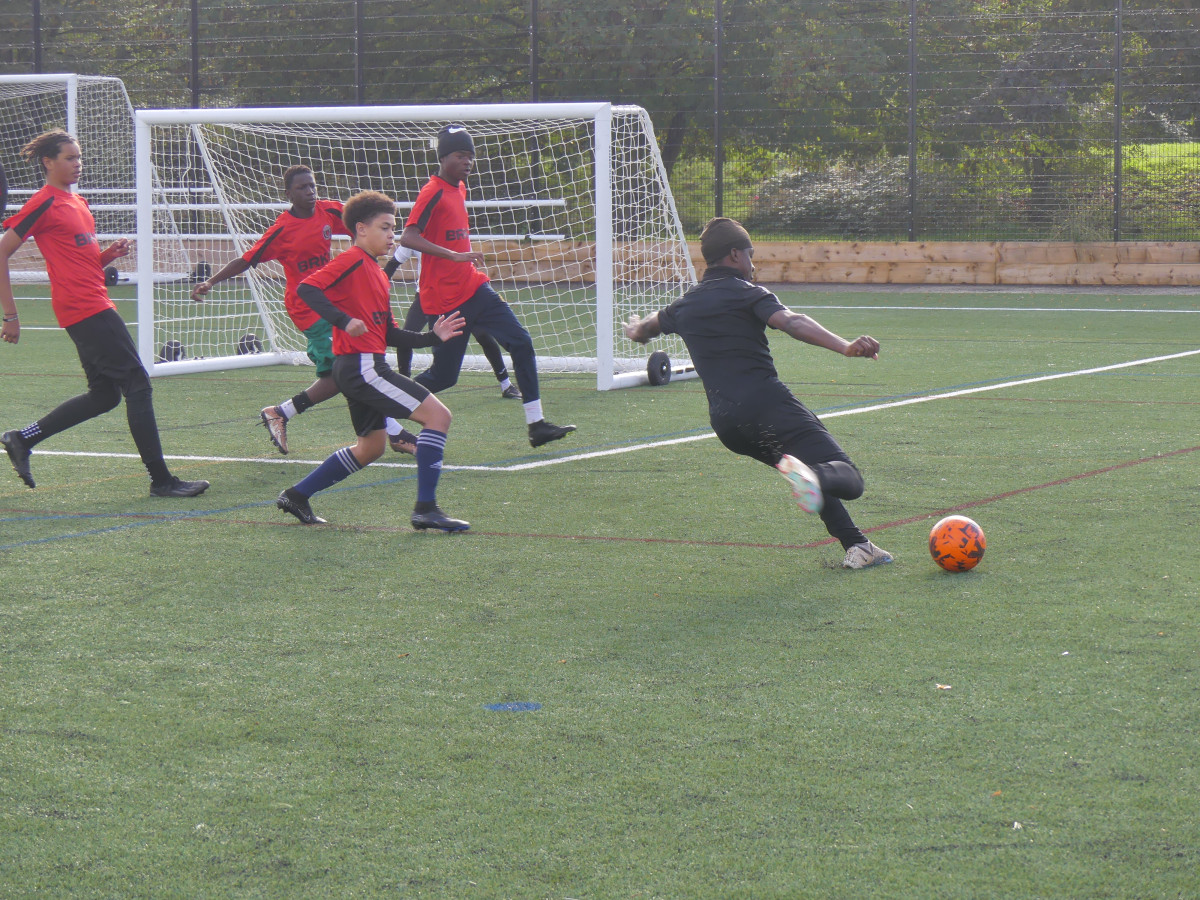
659	367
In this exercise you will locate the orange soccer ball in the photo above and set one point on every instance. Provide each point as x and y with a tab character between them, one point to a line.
956	543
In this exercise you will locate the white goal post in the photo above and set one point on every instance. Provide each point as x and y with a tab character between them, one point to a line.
97	111
569	203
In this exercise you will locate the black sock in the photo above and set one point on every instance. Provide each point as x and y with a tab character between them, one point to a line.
302	402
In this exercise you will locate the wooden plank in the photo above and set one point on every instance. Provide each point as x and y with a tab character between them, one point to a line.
1101	274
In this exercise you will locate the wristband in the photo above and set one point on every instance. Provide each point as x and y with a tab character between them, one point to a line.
11	318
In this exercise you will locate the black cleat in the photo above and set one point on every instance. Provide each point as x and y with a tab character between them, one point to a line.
18	454
179	488
543	432
435	518
512	392
297	504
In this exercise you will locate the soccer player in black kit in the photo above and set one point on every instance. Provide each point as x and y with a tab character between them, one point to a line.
723	322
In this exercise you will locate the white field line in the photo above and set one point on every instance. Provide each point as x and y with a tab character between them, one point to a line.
653	445
937	309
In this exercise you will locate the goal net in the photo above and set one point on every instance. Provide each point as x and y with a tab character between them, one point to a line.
97	111
568	202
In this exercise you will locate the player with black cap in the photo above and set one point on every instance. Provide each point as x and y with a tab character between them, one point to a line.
438	228
723	321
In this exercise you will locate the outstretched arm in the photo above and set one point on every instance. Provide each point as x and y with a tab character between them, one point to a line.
444	328
232	268
642	330
810	331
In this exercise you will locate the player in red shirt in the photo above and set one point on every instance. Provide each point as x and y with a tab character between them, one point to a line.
300	241
352	294
438	229
62	225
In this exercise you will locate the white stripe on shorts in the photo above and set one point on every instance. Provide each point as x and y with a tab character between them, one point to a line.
373	380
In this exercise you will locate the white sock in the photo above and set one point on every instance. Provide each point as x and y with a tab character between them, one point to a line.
506	384
287	409
533	412
393	427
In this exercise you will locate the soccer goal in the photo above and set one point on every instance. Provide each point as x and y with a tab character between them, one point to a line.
97	111
569	203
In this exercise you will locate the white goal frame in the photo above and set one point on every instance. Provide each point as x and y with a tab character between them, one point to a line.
611	278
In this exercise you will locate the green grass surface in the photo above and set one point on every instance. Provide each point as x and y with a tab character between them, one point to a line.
205	699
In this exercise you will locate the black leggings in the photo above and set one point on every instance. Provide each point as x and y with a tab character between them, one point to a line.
113	369
767	432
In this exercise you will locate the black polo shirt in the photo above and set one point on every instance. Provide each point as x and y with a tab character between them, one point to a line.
723	322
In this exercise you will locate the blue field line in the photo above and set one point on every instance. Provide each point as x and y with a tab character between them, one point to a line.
144	520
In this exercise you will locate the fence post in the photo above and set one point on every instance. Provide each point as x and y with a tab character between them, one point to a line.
718	142
912	120
194	40
360	89
37	37
1118	148
534	74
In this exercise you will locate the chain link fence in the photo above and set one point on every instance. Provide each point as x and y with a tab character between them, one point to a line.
820	119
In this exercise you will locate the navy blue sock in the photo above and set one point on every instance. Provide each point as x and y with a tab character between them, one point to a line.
328	473
431	447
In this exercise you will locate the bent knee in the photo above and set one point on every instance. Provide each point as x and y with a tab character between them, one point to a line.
105	398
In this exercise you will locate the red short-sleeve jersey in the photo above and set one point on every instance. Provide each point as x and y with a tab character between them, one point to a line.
301	246
355	284
440	214
62	225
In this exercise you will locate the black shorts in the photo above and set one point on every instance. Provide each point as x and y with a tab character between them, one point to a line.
374	390
107	352
767	430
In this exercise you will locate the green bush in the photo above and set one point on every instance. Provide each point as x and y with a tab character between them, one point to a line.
850	198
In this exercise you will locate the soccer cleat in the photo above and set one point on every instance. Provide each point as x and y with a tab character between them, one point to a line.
805	486
297	504
512	392
276	427
404	442
543	432
176	487
865	555
18	454
435	518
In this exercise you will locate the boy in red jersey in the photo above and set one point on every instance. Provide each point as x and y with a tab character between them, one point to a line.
300	241
438	229
62	225
353	295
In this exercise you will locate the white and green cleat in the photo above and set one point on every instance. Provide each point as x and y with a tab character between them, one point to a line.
805	487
